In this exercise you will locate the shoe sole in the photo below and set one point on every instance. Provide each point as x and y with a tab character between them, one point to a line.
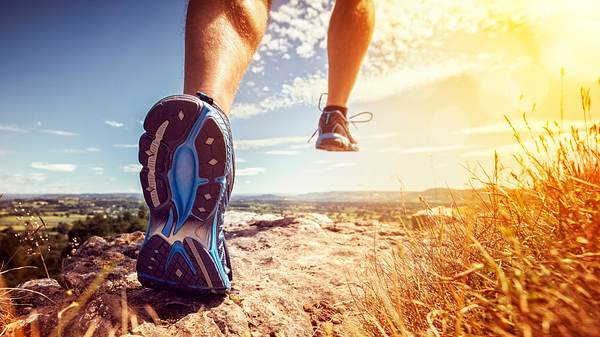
186	158
335	142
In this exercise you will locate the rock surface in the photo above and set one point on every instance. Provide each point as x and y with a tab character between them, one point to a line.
290	279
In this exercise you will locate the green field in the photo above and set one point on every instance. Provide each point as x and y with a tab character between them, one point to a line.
50	220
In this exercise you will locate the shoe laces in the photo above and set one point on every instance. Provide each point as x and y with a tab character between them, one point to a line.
351	120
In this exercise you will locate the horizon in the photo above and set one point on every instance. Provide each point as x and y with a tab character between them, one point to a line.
440	78
253	194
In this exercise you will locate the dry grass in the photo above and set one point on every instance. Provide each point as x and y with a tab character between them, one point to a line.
522	261
7	312
34	241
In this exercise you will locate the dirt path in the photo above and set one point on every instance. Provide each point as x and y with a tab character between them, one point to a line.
290	279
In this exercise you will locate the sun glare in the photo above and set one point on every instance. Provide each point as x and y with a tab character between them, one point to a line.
566	32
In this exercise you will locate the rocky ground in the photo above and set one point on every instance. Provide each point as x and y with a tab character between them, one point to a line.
291	278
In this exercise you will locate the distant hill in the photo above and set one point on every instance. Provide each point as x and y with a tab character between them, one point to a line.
434	195
87	196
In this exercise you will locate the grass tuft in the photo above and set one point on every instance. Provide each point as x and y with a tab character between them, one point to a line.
522	260
7	312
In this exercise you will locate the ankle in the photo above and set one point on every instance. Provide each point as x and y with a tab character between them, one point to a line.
220	100
333	107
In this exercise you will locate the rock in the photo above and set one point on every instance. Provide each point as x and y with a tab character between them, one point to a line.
275	223
115	257
41	292
230	318
432	217
290	279
194	325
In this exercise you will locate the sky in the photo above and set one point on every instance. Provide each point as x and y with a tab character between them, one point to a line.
77	78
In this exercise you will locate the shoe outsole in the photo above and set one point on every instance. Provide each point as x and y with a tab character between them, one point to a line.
186	157
336	143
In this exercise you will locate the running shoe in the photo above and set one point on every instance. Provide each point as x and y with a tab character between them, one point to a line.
334	129
187	178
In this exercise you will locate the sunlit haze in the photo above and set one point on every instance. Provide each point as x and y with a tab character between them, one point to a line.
78	79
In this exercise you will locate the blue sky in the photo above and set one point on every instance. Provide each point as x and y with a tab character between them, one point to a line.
78	77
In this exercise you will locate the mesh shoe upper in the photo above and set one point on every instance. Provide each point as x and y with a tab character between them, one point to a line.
334	128
335	122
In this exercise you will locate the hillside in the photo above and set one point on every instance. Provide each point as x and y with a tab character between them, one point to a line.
436	195
290	279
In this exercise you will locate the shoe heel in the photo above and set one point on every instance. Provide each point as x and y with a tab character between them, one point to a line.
184	154
183	266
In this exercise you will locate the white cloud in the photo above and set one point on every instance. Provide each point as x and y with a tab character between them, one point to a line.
372	87
301	146
529	144
401	55
297	26
53	167
300	90
240	160
126	146
10	180
250	171
114	124
505	149
257	69
3	152
343	164
536	125
131	168
323	166
380	136
283	152
60	133
98	170
34	183
37	177
12	128
485	129
249	144
86	150
425	149
245	110
15	128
